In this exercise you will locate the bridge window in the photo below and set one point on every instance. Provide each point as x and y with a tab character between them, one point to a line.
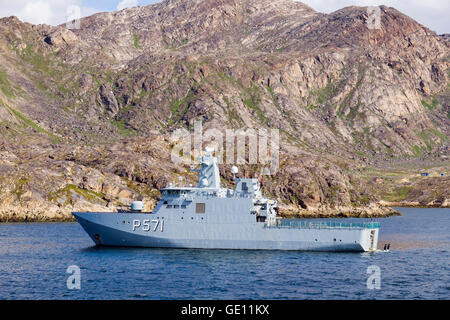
200	208
169	206
183	206
176	206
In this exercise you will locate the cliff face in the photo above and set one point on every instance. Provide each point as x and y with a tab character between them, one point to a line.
77	107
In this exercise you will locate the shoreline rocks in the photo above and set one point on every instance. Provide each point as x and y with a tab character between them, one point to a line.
414	204
37	211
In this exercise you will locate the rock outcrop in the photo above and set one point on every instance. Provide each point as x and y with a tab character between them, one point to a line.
86	114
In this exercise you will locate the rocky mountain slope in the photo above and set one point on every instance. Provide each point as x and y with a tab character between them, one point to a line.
85	114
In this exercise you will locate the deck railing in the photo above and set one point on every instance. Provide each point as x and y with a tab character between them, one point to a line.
298	224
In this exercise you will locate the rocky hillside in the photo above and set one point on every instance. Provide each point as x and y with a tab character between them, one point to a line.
85	114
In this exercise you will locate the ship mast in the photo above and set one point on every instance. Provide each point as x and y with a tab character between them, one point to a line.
209	175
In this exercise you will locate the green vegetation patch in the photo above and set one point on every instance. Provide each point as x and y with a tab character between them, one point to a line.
136	41
348	98
251	97
311	107
5	86
364	140
431	106
398	194
233	115
324	94
363	154
273	96
33	125
19	187
177	109
39	61
142	189
432	138
417	150
67	192
45	71
252	100
122	128
355	112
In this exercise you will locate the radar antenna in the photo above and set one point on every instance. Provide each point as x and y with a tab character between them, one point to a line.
234	171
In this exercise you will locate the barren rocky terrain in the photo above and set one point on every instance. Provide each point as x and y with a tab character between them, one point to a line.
86	114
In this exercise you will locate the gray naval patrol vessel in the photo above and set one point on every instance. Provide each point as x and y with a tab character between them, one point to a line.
211	217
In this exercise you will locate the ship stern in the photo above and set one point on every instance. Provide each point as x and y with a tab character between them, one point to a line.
369	239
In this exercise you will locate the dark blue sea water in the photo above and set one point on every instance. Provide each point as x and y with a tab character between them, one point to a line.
34	259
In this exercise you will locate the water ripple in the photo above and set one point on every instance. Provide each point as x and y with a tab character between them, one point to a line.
34	259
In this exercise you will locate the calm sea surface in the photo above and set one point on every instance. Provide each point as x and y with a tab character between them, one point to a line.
34	259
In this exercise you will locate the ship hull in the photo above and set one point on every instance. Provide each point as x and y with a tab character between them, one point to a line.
145	230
